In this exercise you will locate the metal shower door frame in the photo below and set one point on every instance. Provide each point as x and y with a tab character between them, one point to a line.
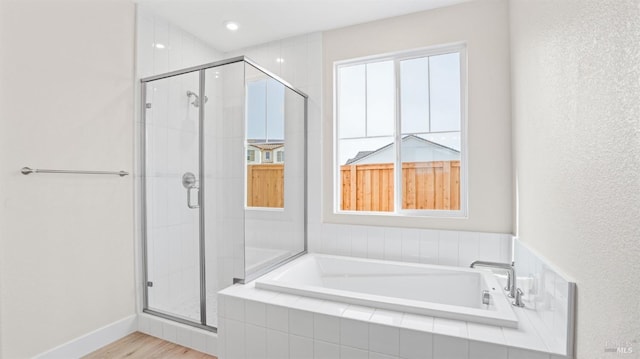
201	69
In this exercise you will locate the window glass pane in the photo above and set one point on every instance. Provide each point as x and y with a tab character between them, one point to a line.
256	104
430	175
414	95
351	101
366	174
275	110
444	77
380	99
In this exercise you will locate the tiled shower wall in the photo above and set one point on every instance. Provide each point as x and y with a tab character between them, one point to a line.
172	139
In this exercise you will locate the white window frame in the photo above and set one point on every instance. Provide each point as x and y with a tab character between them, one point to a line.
397	57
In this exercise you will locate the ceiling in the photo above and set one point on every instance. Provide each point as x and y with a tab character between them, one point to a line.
262	21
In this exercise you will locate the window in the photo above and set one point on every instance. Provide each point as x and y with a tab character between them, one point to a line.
399	133
280	156
267	156
251	155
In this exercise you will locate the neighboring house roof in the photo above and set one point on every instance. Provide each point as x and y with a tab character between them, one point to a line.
364	154
267	146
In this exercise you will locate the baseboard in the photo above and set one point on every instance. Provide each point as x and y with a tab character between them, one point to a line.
93	341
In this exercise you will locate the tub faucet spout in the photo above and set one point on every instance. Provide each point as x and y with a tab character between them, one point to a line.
511	274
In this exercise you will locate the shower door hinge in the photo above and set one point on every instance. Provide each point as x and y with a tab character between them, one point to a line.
149	284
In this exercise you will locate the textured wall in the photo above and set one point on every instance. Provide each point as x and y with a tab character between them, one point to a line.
66	245
576	106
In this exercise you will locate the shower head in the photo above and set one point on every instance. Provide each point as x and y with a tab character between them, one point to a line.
196	101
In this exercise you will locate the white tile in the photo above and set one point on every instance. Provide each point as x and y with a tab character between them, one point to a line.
417	322
358	312
515	353
448	248
255	313
326	328
375	243
198	340
387	317
183	336
155	327
354	333
393	244
332	308
353	353
143	323
212	345
169	332
324	350
485	333
415	344
410	245
256	341
373	355
481	350
445	347
429	242
359	241
450	327
235	308
384	339
467	248
236	339
278	318
300	347
301	323
277	345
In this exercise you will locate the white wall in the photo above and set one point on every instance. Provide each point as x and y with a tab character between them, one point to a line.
66	241
483	25
577	155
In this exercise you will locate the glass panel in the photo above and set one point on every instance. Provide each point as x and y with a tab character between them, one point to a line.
172	227
366	174
274	225
414	95
224	156
444	76
380	99
351	101
265	138
430	172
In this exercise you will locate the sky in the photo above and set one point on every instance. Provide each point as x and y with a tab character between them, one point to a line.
429	103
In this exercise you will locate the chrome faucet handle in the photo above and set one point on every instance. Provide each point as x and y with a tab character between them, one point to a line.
508	287
518	300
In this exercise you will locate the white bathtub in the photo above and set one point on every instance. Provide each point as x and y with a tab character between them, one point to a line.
438	291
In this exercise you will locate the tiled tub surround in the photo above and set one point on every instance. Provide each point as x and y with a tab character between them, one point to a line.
256	323
549	296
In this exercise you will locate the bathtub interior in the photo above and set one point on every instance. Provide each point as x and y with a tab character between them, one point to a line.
441	291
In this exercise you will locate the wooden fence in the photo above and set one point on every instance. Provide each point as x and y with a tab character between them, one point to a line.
425	185
265	185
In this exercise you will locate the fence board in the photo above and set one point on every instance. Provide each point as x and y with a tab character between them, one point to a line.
265	185
425	185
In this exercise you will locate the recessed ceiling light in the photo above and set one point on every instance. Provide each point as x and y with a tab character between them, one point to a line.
159	46
279	60
231	26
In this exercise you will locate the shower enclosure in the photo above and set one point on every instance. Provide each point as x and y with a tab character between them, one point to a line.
221	204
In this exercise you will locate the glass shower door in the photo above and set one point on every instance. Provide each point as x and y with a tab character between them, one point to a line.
172	181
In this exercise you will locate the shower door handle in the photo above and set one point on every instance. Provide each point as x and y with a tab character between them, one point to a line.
189	182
